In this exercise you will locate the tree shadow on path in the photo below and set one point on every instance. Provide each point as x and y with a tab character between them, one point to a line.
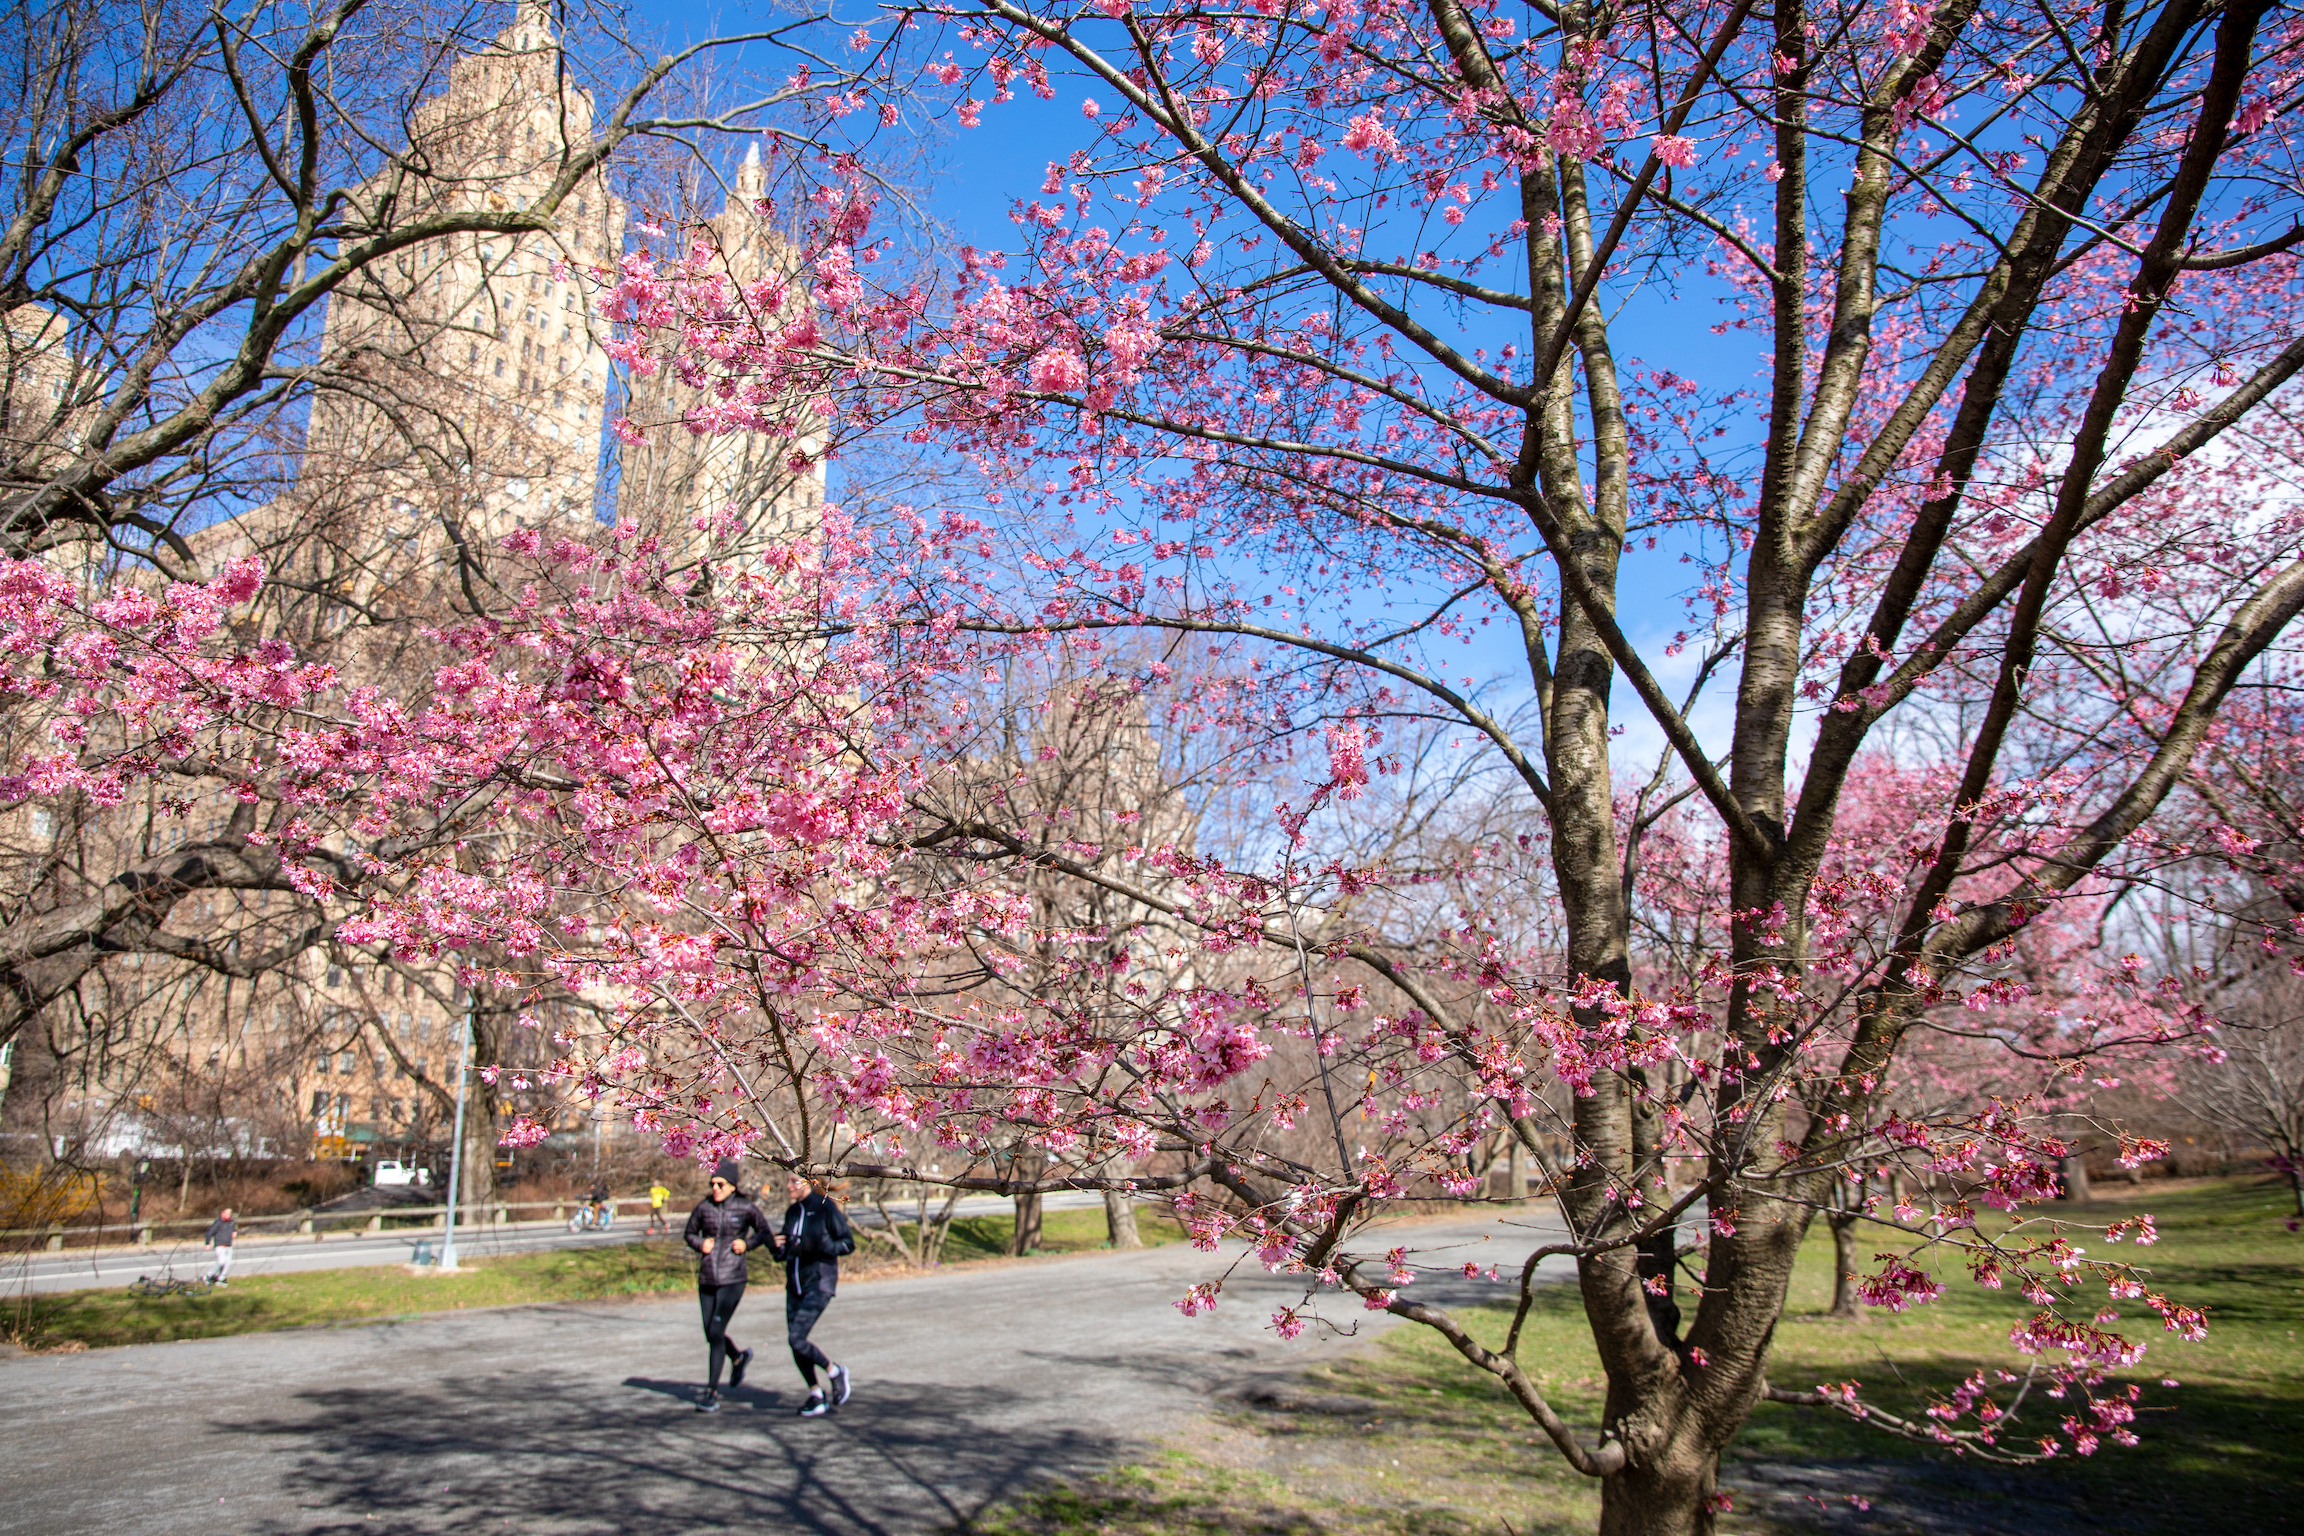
528	1455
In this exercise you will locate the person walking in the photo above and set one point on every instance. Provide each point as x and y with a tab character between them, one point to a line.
219	1238
657	1196
723	1229
815	1237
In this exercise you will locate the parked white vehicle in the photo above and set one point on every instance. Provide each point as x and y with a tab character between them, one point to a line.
391	1174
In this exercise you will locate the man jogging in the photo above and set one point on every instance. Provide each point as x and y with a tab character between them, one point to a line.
657	1195
220	1238
724	1227
815	1237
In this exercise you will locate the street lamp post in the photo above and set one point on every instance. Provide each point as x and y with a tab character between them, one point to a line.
456	1147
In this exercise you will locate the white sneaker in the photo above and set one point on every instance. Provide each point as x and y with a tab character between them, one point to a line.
815	1407
840	1385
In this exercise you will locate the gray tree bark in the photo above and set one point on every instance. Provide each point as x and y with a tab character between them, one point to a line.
1120	1220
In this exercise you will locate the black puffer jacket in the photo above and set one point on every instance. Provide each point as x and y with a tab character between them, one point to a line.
816	1234
725	1221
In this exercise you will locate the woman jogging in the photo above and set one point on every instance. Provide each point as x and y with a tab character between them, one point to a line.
724	1227
814	1239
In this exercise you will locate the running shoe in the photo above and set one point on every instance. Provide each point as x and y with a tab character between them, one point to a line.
708	1403
736	1368
840	1385
815	1407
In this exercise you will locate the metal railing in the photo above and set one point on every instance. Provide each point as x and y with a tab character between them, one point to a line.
315	1222
309	1222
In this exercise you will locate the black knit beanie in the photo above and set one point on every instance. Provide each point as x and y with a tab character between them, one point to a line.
729	1171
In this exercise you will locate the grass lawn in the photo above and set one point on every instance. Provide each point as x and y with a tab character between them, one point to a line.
1407	1441
95	1318
260	1302
986	1237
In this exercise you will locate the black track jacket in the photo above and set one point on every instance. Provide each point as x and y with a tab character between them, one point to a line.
725	1221
811	1227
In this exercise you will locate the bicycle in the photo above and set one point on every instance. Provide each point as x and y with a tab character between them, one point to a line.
168	1285
593	1218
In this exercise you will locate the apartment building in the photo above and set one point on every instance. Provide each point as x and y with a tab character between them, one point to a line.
464	393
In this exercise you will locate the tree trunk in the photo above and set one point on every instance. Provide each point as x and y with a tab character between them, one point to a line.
477	1170
2073	1172
1026	1237
480	1117
1120	1220
1668	1494
1515	1178
1843	1225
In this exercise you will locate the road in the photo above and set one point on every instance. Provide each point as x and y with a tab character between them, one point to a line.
971	1385
92	1268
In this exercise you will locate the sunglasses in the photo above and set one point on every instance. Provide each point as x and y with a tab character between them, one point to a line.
722	1184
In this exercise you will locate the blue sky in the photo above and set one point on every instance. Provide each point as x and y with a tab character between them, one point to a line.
974	177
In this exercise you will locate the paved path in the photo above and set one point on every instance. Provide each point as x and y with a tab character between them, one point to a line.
257	1254
576	1418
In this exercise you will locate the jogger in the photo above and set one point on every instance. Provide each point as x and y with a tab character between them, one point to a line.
815	1237
724	1227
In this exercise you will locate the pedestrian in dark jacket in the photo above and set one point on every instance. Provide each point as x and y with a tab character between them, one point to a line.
815	1237
724	1228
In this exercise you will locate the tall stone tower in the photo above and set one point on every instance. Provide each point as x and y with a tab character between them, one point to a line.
466	375
755	488
464	393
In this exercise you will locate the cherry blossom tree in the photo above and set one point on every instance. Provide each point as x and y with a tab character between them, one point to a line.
1323	350
1323	361
1364	339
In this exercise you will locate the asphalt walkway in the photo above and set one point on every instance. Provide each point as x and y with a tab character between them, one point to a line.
576	1418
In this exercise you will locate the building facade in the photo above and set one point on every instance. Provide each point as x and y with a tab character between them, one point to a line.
462	392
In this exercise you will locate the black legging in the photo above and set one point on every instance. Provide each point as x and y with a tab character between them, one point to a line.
801	1309
719	1304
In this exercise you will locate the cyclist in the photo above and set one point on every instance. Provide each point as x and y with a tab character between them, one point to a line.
723	1229
657	1196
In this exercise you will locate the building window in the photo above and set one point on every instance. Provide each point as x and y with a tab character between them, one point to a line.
319	1104
335	976
499	367
559	399
346	1063
323	1067
43	824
